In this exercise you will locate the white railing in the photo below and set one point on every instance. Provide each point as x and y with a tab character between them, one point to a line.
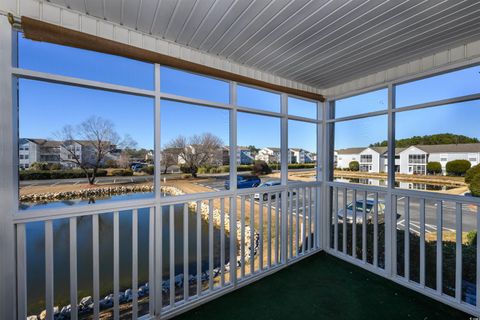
419	239
157	259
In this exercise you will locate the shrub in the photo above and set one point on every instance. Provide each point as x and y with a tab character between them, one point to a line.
475	185
122	172
261	167
185	169
472	238
150	170
39	166
473	171
57	174
354	166
301	166
55	166
434	167
458	167
202	170
111	163
244	167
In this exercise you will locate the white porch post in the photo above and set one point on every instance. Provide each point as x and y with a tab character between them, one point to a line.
8	169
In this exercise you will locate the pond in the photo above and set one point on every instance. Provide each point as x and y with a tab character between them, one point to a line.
36	254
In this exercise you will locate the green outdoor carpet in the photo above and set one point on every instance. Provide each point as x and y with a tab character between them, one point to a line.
323	287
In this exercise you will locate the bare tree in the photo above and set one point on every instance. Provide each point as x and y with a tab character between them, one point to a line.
98	139
197	151
169	157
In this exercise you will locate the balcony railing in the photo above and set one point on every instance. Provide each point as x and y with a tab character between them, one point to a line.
415	238
149	258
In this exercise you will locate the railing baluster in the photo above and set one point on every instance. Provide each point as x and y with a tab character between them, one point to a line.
269	231
252	235
210	244
116	254
290	213
199	248
311	215
439	252
233	240
309	219
297	214
344	219
49	269
96	262
242	229
394	226
458	252
375	229
186	271
304	214
134	264
73	268
364	227
335	219
159	259
277	226
407	239
21	272
260	230
222	242
171	233
354	224
151	261
422	242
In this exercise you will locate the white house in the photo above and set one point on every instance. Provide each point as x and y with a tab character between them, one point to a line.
411	160
345	156
269	155
299	156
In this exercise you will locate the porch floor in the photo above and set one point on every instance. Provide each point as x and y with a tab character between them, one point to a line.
323	287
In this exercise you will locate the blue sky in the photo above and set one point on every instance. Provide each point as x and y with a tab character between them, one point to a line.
45	108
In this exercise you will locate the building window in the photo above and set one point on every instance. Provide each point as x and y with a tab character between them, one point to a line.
366	158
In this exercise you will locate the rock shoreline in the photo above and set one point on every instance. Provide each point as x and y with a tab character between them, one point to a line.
85	307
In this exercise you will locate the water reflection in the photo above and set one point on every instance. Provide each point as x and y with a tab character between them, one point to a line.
36	253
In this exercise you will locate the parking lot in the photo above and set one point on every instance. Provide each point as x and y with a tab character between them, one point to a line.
449	215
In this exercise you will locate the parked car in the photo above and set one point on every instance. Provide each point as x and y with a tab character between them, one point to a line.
137	166
245	181
272	195
360	215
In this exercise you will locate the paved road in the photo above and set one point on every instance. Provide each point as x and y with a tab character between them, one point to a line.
218	184
449	216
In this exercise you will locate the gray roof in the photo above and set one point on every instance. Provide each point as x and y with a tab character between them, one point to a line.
450	148
350	151
438	148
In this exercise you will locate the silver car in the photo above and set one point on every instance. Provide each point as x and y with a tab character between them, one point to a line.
360	215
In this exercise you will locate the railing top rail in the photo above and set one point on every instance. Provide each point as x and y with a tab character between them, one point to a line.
361	187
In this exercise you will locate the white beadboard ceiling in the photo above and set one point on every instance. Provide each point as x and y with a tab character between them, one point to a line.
317	42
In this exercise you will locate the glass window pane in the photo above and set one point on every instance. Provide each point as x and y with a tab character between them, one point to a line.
360	154
363	103
79	63
258	99
302	108
258	160
195	152
192	85
302	151
67	133
448	85
434	154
